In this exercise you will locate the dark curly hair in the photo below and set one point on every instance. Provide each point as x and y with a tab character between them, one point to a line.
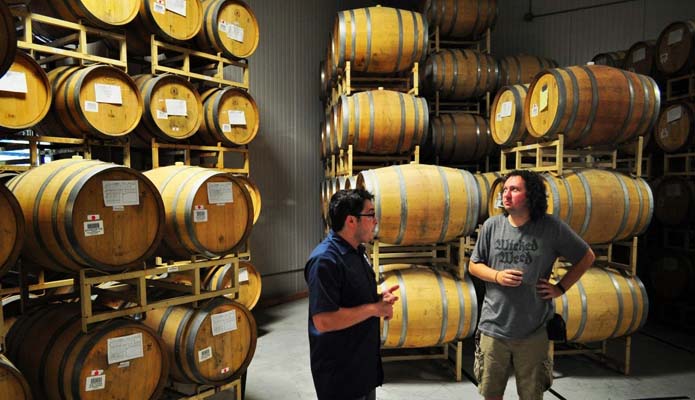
535	192
344	203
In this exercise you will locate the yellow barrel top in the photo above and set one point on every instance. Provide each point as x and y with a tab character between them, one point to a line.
25	94
237	28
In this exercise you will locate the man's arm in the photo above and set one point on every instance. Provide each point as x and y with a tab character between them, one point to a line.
346	317
550	291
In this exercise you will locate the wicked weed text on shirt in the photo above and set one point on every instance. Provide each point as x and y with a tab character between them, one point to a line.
516	251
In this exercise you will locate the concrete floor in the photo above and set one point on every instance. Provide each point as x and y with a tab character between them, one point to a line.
663	367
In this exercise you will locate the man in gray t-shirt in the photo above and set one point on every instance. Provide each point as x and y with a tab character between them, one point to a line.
514	255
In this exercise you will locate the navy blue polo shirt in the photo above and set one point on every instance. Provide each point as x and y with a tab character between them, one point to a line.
345	364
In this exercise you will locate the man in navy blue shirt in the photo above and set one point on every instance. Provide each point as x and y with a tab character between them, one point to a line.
344	306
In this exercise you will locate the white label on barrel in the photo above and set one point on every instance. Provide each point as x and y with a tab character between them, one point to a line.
124	348
91	106
93	228
675	36
159	7
243	275
176	107
200	215
673	114
205	354
176	6
544	98
14	81
110	94
534	110
673	190
223	322
237	117
506	109
220	192
663	57
639	55
226	128
124	364
97	382
235	32
664	132
121	193
498	117
162	114
222	26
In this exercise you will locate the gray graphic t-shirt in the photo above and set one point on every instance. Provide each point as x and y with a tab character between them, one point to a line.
517	312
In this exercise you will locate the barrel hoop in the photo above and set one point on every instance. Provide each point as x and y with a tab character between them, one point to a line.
342	36
81	76
570	200
404	204
645	307
462	307
435	134
582	323
478	138
385	322
75	387
401	134
425	36
370	101
640	206
472	209
434	64
556	195
371	183
178	340
214	100
425	119
657	102
635	305
562	95
214	34
454	139
455	13
641	129
404	301
473	303
541	62
478	20
445	307
518	118
345	106
146	88
480	190
400	41
194	326
416	111
575	100
565	307
587	194
619	297
594	104
631	91
478	72
455	65
49	346
518	68
626	206
368	56
187	215
71	120
222	273
355	119
447	204
650	203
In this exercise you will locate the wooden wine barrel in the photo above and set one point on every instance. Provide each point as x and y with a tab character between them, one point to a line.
323	146
106	14
172	107
12	228
672	276
674	197
379	39
325	197
100	101
117	359
25	94
463	19
675	48
433	308
369	121
8	46
640	58
169	24
591	105
422	204
675	129
508	125
603	304
249	282
461	138
12	382
333	147
612	59
461	74
230	117
229	27
212	344
208	211
88	214
602	206
522	68
484	182
255	194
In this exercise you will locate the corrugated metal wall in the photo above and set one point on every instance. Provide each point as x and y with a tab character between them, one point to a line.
574	37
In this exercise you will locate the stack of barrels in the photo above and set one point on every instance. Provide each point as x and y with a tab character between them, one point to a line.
74	214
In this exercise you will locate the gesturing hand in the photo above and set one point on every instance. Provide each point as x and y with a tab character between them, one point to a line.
388	295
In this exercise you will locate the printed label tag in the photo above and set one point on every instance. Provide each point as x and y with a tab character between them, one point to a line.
223	322
664	133
675	37
673	114
243	275
162	114
235	32
121	193
237	117
91	106
95	383
93	228
220	192
534	110
159	7
14	81
226	128
205	354
176	107
639	55
544	98
176	6
506	109
200	215
110	94
124	348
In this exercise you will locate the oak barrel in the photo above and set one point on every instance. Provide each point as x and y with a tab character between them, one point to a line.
602	206
100	101
11	229
591	105
463	19
250	283
508	120
381	122
461	138
675	197
675	48
422	204
434	308
255	194
461	73
208	211
230	117
88	214
378	39
675	128
640	58
12	383
484	182
603	304
229	27
212	344
672	276
8	47
172	107
117	359
171	24
611	58
522	68
106	14
25	94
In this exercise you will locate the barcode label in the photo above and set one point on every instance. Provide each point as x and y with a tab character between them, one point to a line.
205	354
200	215
91	106
95	383
159	8
93	228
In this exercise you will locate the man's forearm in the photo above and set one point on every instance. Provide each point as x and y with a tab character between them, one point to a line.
344	317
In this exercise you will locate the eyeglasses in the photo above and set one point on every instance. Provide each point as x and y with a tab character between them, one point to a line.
369	215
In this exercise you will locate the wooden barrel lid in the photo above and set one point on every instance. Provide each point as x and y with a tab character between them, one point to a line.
173	22
8	46
231	116
25	94
232	26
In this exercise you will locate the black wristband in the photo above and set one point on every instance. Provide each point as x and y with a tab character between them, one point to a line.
559	286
